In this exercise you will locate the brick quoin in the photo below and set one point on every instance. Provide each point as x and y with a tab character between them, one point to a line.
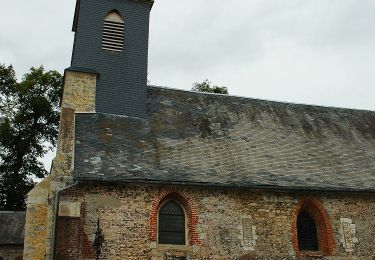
173	193
322	222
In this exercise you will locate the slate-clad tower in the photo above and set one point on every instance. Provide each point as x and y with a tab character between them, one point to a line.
108	75
111	39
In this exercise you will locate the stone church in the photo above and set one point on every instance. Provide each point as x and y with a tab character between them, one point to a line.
147	172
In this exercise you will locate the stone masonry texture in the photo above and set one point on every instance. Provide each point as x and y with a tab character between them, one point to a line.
79	91
124	212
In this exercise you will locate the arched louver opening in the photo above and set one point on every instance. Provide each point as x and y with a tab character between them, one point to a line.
307	233
113	32
171	224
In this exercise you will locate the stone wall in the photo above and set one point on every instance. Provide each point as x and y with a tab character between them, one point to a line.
116	221
79	91
79	95
36	225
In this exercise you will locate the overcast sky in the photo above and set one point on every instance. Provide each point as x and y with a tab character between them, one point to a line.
304	51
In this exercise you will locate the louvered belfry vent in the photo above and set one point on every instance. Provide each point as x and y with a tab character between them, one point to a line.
113	32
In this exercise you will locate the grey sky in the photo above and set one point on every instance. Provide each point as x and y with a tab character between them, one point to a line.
310	51
305	51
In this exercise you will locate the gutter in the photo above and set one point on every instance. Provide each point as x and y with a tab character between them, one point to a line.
55	210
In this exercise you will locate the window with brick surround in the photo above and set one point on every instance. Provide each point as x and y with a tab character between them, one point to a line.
113	32
171	228
186	203
312	230
307	232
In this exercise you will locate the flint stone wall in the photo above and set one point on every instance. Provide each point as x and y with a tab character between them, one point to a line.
120	215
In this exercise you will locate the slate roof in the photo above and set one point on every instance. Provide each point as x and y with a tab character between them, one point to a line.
206	139
12	227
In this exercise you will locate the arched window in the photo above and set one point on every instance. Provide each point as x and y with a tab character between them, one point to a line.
113	32
312	230
187	214
171	229
307	232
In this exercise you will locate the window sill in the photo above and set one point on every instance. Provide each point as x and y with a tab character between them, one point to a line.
311	253
165	251
172	247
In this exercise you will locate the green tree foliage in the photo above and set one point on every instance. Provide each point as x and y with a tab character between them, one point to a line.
29	117
206	86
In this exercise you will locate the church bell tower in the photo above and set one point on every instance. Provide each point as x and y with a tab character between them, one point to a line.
111	40
108	74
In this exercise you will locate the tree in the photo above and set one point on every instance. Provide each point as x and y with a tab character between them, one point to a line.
205	86
29	117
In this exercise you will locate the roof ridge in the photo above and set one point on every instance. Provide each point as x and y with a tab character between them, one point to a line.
288	103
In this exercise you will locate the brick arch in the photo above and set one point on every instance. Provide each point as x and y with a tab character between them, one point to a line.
322	222
172	193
